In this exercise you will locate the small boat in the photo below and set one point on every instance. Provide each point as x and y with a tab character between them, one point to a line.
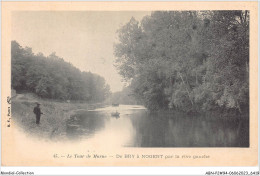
115	114
115	104
73	126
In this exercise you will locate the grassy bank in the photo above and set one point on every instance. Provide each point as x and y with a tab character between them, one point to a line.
53	122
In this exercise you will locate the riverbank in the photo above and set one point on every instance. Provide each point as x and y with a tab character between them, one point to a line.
53	121
56	115
216	114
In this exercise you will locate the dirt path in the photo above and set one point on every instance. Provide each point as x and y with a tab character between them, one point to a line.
53	122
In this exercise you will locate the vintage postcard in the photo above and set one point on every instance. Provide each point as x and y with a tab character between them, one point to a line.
129	84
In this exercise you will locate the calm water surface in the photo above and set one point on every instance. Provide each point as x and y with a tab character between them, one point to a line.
136	127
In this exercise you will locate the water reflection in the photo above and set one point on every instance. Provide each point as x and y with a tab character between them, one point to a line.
85	125
135	127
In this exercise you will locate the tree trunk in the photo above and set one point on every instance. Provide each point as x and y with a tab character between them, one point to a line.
196	78
247	67
238	106
186	88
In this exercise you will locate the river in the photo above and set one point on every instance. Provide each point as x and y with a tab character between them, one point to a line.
136	127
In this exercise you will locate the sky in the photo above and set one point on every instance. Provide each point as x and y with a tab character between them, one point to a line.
84	39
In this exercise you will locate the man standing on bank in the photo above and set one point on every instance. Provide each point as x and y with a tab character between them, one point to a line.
37	112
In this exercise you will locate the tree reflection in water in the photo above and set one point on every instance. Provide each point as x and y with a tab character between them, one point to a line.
143	129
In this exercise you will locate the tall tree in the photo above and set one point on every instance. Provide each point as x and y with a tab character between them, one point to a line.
190	60
52	77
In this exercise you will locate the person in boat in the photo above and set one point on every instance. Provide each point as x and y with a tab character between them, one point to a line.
115	114
37	112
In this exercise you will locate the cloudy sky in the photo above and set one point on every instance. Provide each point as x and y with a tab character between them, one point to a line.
84	39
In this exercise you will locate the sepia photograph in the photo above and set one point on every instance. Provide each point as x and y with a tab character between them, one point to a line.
148	79
125	84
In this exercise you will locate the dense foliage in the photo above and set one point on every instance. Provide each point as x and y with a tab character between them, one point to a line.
188	60
52	77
